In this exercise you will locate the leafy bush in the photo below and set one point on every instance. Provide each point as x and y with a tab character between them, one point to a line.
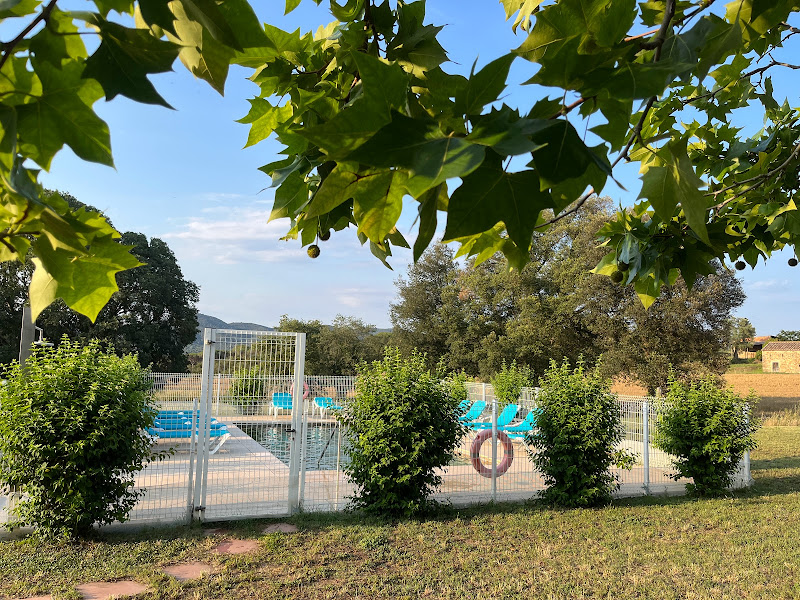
708	429
456	384
509	381
72	437
578	429
251	388
402	425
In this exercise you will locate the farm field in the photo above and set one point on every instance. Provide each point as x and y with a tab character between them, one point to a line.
778	391
743	546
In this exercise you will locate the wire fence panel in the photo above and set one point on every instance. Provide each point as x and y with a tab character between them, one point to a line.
253	437
249	437
167	483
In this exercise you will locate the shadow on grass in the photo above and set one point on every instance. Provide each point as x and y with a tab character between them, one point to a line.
788	462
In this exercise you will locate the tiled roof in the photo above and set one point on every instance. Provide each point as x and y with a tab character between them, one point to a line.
762	338
782	346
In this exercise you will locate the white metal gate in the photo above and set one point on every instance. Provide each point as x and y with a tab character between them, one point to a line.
250	422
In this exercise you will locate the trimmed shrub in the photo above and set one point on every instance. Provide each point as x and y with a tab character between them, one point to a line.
578	431
72	436
401	426
509	381
708	429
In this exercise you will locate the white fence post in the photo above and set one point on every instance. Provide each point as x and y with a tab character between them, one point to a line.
646	440
204	422
494	448
297	430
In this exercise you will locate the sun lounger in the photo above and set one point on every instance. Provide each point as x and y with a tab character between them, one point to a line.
473	413
506	416
217	435
281	401
521	429
324	404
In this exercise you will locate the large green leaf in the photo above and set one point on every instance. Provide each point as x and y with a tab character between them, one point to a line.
63	115
378	202
125	58
85	282
490	195
430	156
675	182
562	154
427	218
201	53
484	87
263	119
384	87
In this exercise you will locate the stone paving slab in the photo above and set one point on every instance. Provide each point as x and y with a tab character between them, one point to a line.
280	528
236	547
188	571
102	590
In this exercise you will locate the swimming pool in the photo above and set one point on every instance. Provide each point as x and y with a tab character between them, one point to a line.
321	452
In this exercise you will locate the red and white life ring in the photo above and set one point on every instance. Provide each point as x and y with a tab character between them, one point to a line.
306	390
475	453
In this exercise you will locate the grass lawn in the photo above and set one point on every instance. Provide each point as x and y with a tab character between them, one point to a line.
746	546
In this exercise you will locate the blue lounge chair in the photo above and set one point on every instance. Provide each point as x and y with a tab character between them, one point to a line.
218	436
281	401
473	413
325	404
505	417
521	429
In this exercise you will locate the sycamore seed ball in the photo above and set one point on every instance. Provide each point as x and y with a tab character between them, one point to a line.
623	266
740	266
792	262
616	277
313	251
325	235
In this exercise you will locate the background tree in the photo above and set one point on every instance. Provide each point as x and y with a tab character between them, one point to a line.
554	308
153	314
338	348
417	315
741	335
788	336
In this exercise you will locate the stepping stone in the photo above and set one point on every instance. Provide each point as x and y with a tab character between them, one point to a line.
280	528
236	547
188	571
101	590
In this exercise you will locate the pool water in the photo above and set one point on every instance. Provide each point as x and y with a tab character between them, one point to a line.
321	452
323	445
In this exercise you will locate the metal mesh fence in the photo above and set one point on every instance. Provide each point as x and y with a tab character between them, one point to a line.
253	437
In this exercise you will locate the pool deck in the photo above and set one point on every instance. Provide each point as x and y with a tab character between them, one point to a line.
244	480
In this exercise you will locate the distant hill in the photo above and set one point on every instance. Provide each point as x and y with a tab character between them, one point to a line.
209	321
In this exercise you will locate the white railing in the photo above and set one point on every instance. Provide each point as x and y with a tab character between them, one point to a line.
251	472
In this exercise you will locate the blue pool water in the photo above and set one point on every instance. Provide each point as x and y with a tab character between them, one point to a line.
321	452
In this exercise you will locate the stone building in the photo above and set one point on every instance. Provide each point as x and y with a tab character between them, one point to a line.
781	357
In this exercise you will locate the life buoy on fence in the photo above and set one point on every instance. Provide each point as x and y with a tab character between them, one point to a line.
475	453
305	390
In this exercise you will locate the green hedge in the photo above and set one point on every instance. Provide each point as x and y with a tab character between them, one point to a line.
72	437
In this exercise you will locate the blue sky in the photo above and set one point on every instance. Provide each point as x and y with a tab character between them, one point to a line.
183	176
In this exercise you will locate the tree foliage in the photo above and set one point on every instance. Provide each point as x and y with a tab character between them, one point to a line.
403	429
73	434
153	314
788	336
578	430
707	430
554	308
369	118
741	334
338	348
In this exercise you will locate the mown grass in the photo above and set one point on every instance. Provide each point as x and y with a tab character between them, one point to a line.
743	546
